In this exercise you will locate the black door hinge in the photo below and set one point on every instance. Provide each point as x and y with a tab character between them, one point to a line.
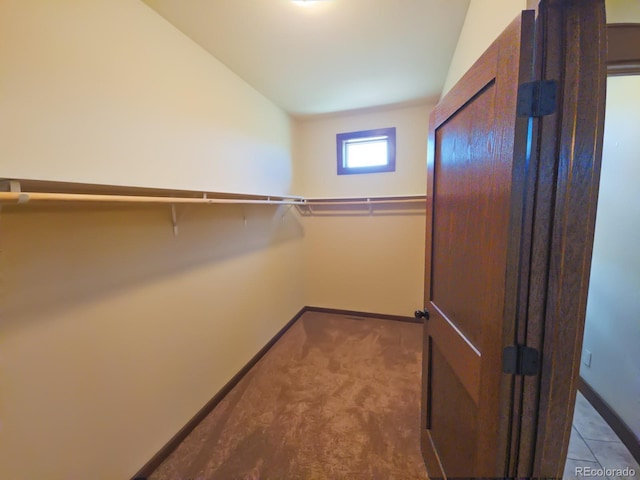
520	360
537	99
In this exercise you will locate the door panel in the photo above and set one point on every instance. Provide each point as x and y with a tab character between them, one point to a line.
463	358
476	183
465	196
453	418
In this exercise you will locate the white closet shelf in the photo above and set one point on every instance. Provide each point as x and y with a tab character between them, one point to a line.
38	192
31	191
38	197
389	199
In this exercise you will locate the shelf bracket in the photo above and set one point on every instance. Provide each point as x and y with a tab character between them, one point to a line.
286	210
370	206
10	186
174	220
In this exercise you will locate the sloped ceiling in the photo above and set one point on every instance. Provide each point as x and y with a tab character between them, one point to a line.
331	55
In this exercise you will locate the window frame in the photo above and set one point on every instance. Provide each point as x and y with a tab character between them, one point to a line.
390	166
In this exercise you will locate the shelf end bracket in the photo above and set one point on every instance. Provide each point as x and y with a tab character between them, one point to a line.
174	220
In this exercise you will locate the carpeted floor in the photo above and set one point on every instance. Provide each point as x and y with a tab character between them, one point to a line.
336	398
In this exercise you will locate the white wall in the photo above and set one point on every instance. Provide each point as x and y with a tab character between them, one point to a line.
107	91
315	153
365	263
485	21
113	332
370	263
612	328
623	11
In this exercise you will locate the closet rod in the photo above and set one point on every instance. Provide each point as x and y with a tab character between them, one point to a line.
28	197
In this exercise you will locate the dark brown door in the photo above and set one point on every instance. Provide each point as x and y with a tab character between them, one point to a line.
477	174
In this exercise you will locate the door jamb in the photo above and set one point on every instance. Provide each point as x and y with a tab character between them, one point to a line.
572	35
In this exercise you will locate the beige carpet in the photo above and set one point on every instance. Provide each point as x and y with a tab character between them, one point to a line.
336	398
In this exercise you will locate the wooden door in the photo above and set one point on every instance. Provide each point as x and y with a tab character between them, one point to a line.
477	177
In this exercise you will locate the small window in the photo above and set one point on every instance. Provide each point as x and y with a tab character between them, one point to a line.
368	151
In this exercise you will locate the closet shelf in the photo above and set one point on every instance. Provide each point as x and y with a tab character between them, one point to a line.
364	200
28	192
33	197
361	205
33	191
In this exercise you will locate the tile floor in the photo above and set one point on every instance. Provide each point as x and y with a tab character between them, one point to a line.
593	444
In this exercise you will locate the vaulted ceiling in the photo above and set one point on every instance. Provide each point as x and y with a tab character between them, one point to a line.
327	56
